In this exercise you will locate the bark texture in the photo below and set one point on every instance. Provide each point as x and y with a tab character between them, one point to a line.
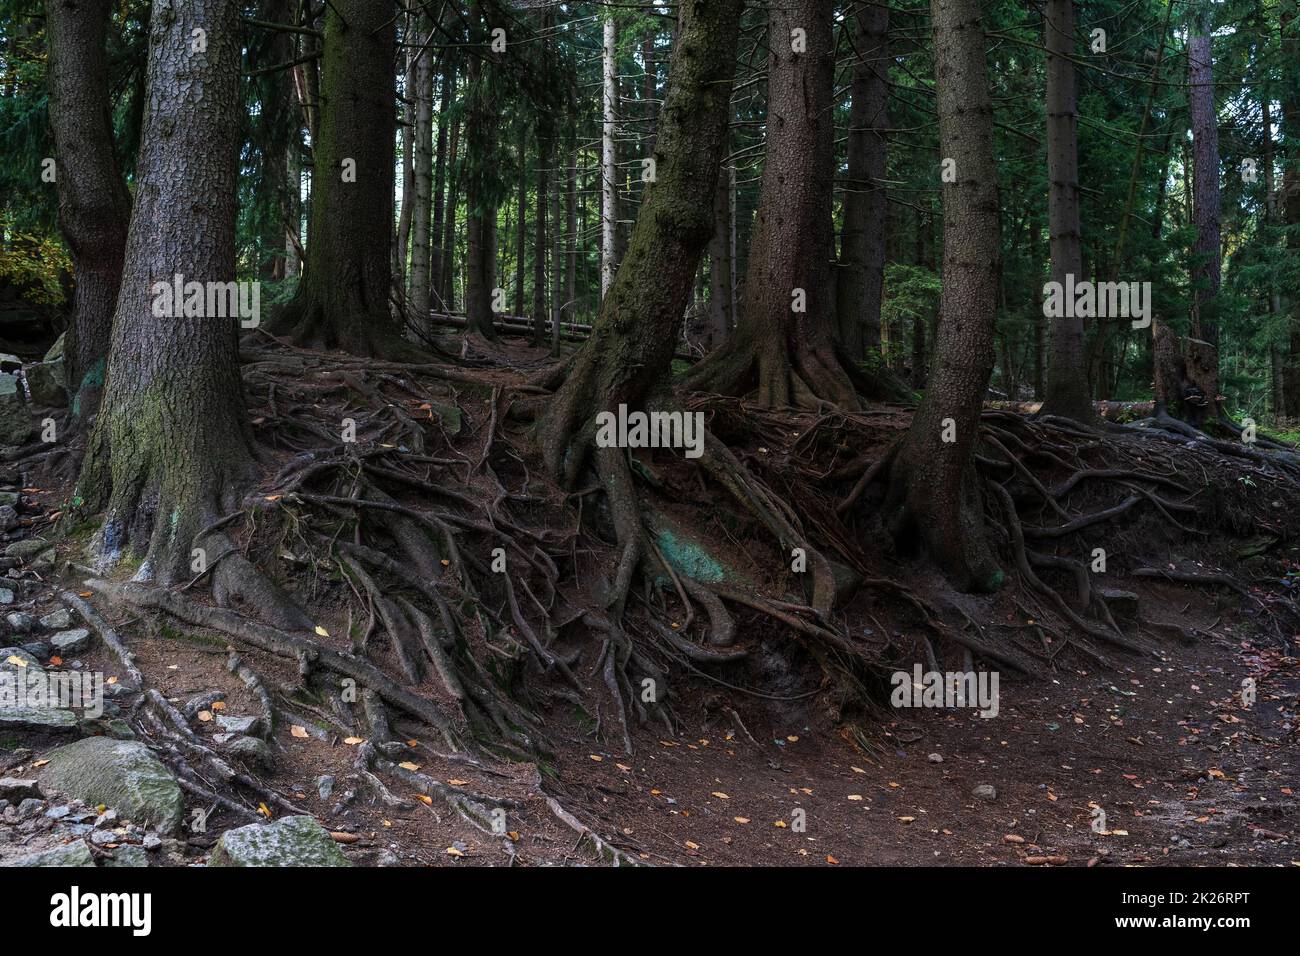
861	277
169	452
934	498
94	205
343	297
1067	392
784	343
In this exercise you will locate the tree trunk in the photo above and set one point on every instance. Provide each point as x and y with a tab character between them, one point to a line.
1291	191
1067	392
631	346
539	234
609	159
571	232
1205	184
784	342
720	317
521	233
342	300
440	185
449	225
94	205
418	295
860	282
482	158
170	452
934	496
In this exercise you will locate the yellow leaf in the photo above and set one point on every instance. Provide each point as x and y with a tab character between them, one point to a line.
457	782
412	743
38	764
219	705
407	765
426	800
452	851
720	795
741	819
112	680
691	845
831	860
298	731
782	824
352	741
264	810
595	757
15	660
321	631
855	796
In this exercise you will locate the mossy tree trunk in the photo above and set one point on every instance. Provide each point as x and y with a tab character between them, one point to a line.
630	350
934	498
170	452
94	205
343	297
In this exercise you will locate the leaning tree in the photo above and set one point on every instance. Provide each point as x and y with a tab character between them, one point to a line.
933	497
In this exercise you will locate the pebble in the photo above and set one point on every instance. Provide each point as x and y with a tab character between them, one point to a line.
325	786
935	758
57	620
986	792
71	642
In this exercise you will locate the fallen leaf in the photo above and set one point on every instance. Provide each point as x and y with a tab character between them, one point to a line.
741	819
407	765
457	782
352	741
219	705
296	730
321	631
425	799
452	851
1013	838
831	860
720	795
264	810
205	716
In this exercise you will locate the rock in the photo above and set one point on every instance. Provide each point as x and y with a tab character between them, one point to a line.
325	786
290	841
74	854
30	807
106	819
10	498
26	549
58	813
8	662
39	650
16	425
42	719
70	642
6	596
935	758
252	726
56	350
152	841
127	855
252	751
1121	603
122	774
20	621
57	620
8	518
986	792
12	788
45	383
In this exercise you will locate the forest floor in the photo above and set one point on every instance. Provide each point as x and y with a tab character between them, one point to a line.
760	769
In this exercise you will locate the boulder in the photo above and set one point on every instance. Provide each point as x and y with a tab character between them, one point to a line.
45	383
122	774
38	719
27	549
56	350
16	424
74	854
127	855
15	789
57	620
70	642
291	841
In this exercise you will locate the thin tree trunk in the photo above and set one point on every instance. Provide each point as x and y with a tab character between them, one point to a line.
1291	191
720	316
94	205
419	292
481	161
860	281
449	224
402	247
1067	392
539	244
440	186
934	495
1205	185
571	233
609	158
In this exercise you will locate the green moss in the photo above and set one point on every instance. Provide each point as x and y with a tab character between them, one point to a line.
689	558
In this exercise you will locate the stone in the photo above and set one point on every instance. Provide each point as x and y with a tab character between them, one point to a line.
29	548
122	774
56	350
20	621
16	789
9	663
59	620
935	758
232	724
986	792
58	813
45	383
1121	603
289	841
127	855
39	650
6	596
252	751
8	518
38	719
152	841
71	642
325	786
30	807
74	854
10	498
16	424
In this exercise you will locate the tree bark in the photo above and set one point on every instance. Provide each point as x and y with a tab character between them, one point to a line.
440	184
933	498
1205	184
784	342
860	281
94	205
720	317
343	297
419	293
1291	190
609	158
481	162
1067	392
170	451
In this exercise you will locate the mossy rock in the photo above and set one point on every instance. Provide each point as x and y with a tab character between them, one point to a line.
122	774
74	854
291	841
